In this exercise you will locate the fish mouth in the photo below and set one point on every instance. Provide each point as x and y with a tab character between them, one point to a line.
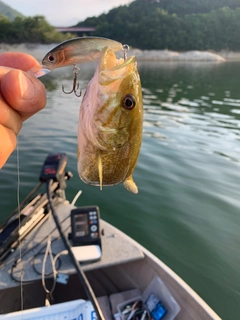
113	70
110	62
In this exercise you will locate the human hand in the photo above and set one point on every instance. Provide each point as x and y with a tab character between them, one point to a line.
21	96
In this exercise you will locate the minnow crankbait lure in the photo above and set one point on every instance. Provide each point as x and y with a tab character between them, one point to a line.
77	51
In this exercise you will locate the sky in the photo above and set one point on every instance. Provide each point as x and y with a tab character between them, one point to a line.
61	13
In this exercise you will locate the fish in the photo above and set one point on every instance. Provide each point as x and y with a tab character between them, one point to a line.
78	50
110	123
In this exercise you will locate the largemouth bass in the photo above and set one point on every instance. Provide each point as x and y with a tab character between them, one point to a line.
78	50
110	123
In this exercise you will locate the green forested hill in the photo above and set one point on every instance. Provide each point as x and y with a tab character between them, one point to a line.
182	7
8	12
146	24
173	24
15	28
29	30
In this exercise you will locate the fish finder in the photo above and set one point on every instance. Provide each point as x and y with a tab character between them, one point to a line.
85	236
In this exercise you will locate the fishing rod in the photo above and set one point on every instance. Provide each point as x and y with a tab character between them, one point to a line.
19	208
80	273
10	234
53	170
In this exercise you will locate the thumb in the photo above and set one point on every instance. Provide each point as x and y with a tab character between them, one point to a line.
8	143
23	92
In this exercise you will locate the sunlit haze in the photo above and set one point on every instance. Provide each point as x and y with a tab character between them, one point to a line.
64	12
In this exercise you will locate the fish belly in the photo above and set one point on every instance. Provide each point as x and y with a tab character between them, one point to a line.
106	168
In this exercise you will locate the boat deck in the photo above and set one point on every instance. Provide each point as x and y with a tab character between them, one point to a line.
116	249
125	270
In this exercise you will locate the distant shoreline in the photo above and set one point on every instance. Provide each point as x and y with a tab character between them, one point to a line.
39	50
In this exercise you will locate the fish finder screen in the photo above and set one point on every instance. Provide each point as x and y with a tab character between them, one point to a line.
81	225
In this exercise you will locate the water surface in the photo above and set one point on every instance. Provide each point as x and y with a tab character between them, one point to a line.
187	209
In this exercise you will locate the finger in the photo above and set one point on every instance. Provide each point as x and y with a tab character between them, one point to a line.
18	60
9	117
23	92
8	143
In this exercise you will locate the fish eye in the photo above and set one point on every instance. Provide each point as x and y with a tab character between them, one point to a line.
129	102
51	58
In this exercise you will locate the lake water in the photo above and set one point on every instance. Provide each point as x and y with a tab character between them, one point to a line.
188	174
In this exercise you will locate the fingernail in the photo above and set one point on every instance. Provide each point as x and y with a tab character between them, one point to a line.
26	86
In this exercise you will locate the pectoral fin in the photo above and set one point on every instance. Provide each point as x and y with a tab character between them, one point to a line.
100	172
130	185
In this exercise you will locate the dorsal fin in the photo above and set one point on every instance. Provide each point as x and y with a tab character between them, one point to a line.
130	185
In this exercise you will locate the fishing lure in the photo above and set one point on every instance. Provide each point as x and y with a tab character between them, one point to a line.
76	71
72	52
77	51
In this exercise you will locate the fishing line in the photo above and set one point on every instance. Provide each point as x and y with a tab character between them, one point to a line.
27	250
86	285
19	223
48	251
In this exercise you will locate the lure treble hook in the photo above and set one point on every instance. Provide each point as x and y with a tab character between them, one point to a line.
125	50
75	83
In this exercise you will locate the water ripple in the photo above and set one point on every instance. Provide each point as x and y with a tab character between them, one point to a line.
187	210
